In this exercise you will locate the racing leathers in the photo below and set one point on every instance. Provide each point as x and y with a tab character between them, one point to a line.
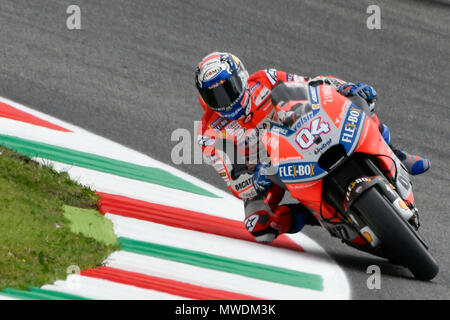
234	149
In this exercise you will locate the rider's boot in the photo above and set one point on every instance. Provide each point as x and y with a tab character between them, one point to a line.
413	163
299	217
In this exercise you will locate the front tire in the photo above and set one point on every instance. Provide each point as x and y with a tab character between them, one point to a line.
396	237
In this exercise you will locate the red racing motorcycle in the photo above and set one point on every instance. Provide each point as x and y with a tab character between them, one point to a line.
334	160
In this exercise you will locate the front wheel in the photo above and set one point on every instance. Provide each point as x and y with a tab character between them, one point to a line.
396	237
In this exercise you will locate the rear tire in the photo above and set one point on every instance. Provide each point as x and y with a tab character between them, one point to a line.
396	237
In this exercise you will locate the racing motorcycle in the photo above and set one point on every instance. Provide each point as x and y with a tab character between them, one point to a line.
334	160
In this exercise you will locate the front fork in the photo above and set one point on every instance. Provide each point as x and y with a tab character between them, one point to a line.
361	183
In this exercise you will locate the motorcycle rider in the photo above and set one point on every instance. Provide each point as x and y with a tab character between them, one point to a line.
236	107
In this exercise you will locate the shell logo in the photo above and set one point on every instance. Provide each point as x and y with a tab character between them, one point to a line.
368	237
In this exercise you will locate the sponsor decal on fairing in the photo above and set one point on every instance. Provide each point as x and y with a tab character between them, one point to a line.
351	128
299	171
307	136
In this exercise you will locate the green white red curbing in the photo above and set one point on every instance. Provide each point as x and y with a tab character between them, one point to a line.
165	253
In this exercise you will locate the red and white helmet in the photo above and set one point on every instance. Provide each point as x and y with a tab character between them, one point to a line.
221	80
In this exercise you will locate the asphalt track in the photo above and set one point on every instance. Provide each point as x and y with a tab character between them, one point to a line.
128	75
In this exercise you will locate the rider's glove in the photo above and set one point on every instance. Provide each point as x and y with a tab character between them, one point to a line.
288	112
365	91
286	118
260	181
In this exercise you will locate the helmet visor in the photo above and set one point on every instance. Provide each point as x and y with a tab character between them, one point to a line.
223	96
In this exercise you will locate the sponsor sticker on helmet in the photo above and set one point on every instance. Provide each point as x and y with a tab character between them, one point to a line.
236	59
211	73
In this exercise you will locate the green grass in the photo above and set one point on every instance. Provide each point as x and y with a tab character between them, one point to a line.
36	242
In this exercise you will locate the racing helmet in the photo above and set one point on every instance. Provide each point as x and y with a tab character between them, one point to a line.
221	80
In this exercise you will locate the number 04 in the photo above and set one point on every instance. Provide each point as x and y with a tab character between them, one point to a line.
306	136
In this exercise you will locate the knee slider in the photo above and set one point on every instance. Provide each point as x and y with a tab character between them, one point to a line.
259	221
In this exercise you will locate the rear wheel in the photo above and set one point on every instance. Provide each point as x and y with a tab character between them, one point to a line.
396	237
